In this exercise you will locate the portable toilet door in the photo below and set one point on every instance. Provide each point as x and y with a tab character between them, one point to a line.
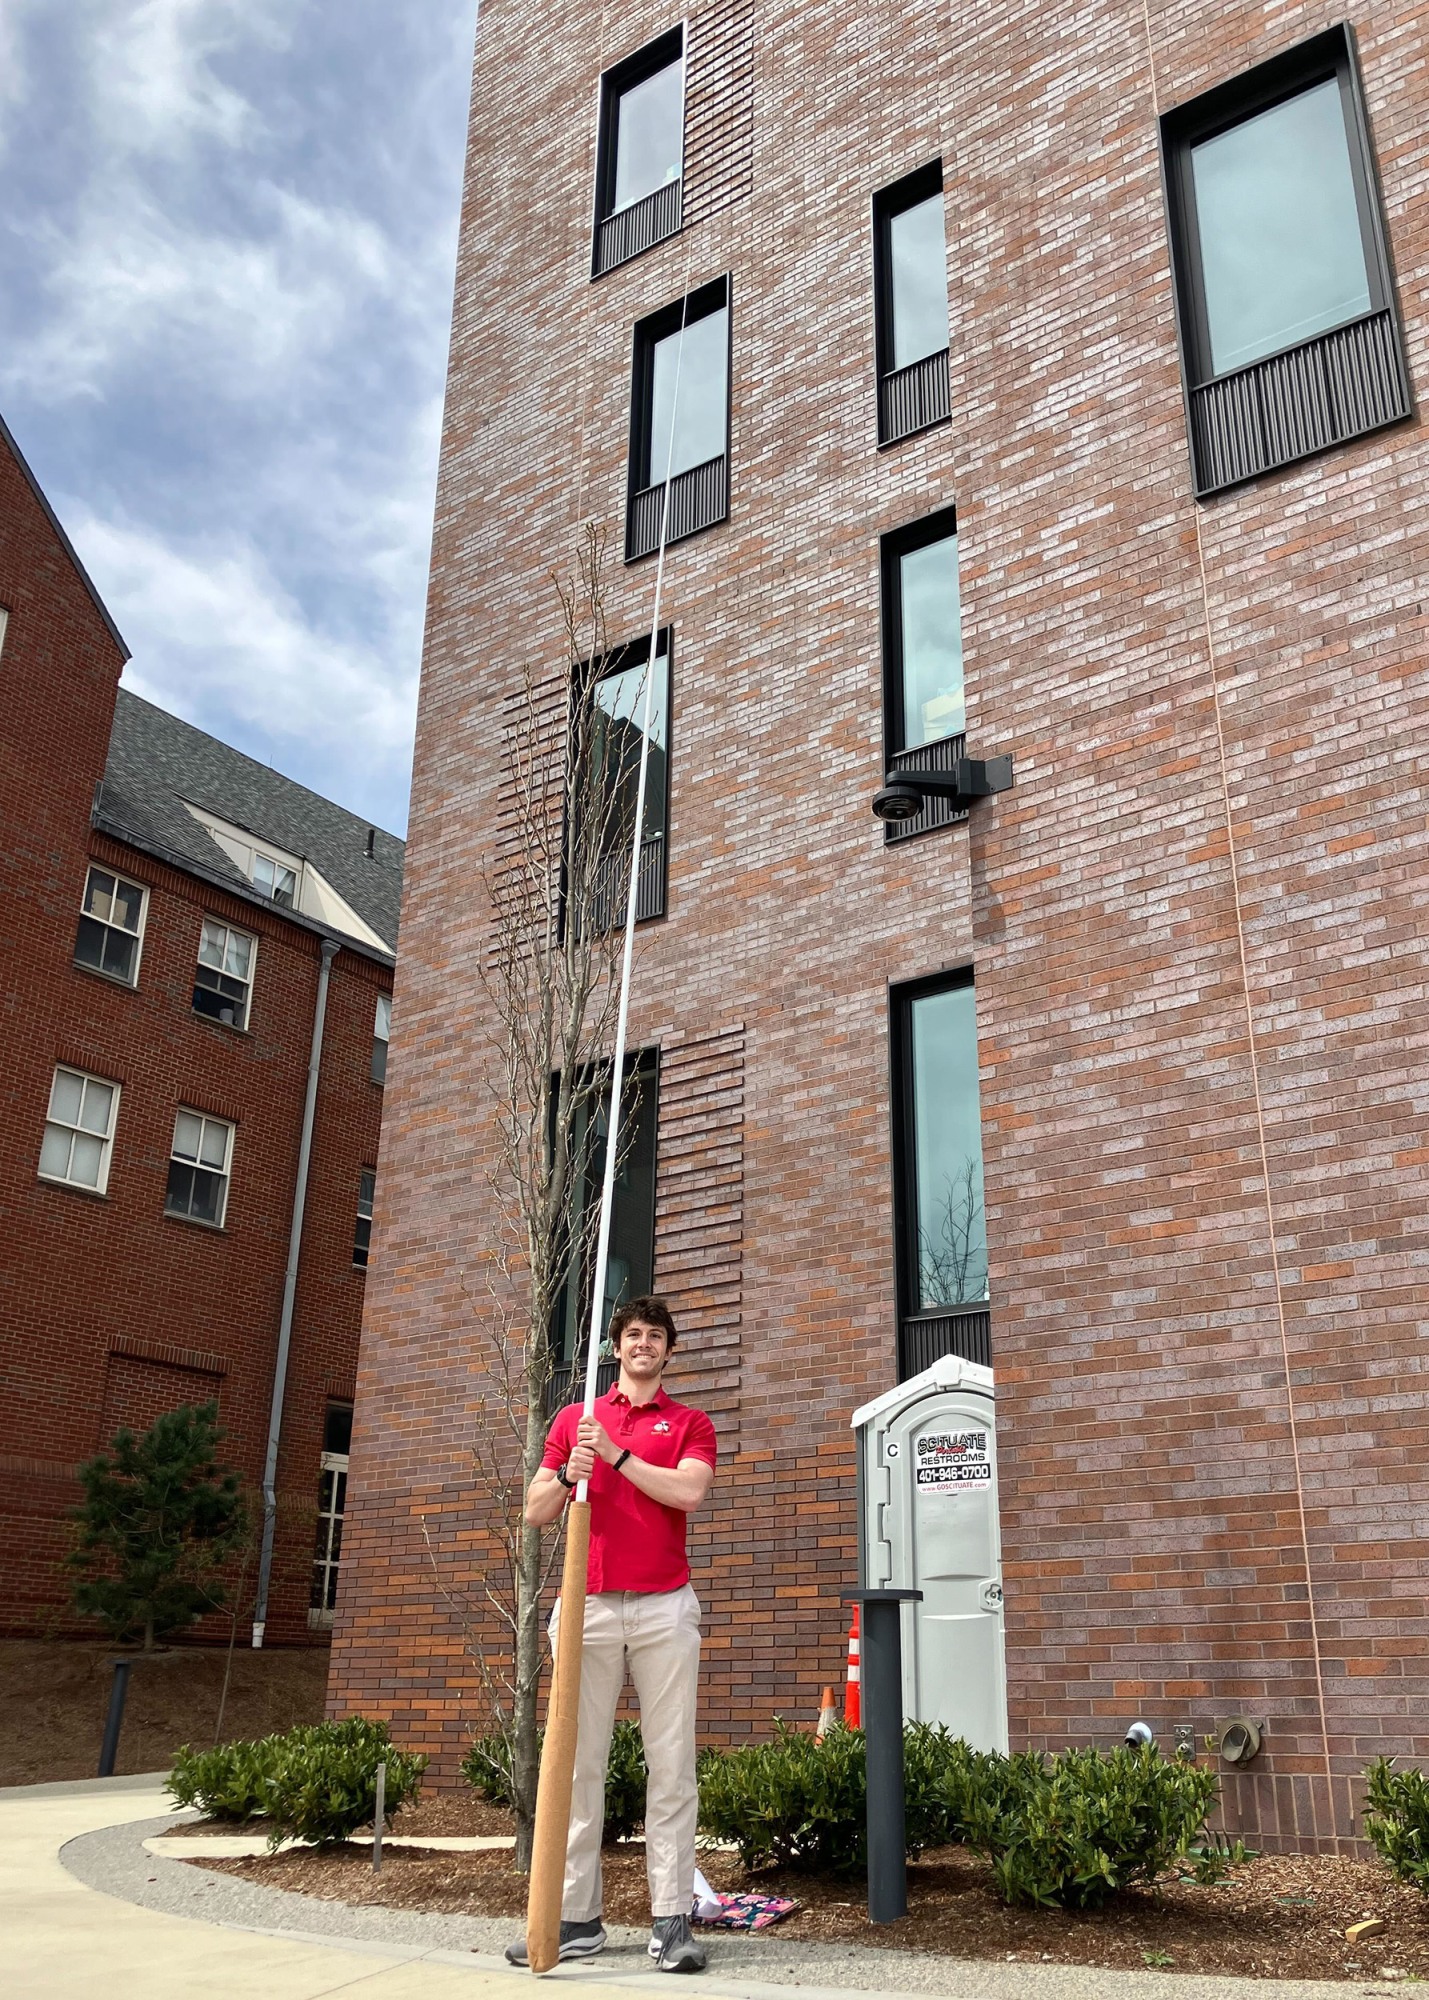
928	1466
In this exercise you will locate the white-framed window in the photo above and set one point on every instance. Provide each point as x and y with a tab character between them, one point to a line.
224	980
332	1506
381	1035
366	1196
275	878
199	1166
111	926
79	1129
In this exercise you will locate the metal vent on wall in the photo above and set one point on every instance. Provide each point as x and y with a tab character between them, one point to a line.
941	756
1338	386
698	498
630	231
914	398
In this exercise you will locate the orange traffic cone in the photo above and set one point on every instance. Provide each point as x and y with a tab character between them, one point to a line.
853	1708
827	1709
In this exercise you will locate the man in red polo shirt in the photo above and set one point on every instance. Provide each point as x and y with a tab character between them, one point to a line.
650	1462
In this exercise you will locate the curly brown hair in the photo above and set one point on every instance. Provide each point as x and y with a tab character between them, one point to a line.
649	1309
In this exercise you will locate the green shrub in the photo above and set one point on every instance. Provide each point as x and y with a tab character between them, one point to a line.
1397	1820
487	1766
324	1784
317	1783
229	1782
625	1779
1075	1830
795	1803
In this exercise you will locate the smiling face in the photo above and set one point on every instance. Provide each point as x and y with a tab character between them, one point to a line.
644	1349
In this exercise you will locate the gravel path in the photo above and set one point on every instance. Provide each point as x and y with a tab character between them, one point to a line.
114	1862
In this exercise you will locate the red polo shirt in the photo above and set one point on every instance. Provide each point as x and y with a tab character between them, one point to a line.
635	1543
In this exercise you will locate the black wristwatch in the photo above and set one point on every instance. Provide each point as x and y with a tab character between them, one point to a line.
569	1484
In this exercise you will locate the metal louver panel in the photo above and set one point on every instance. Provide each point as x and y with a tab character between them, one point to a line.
940	756
914	397
698	498
611	885
640	227
1338	386
967	1333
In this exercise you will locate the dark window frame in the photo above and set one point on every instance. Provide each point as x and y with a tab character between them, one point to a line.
712	505
1319	59
618	660
649	1061
943	751
964	1329
930	405
664	206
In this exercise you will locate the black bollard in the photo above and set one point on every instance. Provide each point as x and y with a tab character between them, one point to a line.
114	1721
881	1679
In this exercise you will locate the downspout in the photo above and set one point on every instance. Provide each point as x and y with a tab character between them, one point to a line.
290	1288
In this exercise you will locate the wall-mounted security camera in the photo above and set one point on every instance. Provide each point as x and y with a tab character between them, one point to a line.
904	792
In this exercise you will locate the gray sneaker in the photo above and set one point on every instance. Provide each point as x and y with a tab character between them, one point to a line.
673	1947
577	1941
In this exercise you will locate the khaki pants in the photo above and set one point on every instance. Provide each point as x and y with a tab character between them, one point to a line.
657	1634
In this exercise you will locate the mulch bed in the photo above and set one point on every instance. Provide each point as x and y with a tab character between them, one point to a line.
1280	1916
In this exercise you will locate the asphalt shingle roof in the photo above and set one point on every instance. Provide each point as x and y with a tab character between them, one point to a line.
156	762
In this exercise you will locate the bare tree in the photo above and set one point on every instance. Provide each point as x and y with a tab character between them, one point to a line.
952	1257
551	984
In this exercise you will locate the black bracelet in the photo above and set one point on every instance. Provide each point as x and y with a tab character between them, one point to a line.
621	1460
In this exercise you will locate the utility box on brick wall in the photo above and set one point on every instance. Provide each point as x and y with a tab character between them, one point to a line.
928	1521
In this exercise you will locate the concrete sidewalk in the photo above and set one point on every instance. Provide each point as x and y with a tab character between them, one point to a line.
65	1941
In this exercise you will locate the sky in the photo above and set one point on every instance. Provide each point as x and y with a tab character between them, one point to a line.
229	235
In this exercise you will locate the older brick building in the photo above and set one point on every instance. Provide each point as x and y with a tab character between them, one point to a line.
1194	924
168	905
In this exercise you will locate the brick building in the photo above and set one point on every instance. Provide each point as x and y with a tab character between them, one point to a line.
169	909
1047	394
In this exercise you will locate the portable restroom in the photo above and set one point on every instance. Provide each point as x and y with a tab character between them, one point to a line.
927	1474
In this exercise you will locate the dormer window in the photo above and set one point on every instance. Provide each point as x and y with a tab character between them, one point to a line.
274	879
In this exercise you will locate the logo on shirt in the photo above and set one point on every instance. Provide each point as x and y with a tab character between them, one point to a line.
661	1426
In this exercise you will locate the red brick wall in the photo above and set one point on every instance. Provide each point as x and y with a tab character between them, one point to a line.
1195	923
109	1310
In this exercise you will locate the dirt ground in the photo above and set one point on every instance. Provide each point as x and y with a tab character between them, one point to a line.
1281	1916
54	1694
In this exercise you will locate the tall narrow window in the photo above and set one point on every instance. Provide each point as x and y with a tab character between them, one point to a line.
619	699
1288	333
910	273
381	1035
366	1197
111	926
942	1228
641	152
630	1269
79	1130
332	1510
924	713
224	979
199	1164
679	428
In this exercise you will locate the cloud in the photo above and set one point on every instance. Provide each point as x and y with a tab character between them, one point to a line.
130	282
154	83
229	234
234	646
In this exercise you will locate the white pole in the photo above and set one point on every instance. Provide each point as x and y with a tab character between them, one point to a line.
632	897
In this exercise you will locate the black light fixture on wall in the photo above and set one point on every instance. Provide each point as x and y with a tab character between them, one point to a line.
902	793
